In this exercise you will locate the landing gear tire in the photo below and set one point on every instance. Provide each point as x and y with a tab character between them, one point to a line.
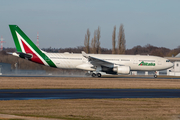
93	75
99	74
155	76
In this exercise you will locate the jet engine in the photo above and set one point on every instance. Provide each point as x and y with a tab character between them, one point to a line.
122	69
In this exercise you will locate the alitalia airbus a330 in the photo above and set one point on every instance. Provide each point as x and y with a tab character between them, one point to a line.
96	64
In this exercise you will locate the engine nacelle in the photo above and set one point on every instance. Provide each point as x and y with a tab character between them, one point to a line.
122	69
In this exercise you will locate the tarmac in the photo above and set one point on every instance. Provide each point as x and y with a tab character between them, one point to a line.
29	94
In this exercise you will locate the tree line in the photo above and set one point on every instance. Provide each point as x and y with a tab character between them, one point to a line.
119	45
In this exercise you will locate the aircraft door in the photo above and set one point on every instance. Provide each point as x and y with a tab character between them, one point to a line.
135	61
159	62
84	60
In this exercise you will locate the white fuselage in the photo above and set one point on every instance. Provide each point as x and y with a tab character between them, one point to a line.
150	63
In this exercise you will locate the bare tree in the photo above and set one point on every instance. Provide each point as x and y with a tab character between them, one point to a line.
86	42
95	42
93	45
121	40
114	41
98	48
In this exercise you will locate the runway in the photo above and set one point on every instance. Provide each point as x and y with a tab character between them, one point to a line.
104	76
28	94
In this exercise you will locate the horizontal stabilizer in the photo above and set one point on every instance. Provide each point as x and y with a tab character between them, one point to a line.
22	55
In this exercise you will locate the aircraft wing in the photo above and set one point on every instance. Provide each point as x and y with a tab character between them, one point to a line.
97	61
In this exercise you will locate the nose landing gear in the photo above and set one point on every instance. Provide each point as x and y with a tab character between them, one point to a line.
155	74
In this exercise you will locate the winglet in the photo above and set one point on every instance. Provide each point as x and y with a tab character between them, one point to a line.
178	55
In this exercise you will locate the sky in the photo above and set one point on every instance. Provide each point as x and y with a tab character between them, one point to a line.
63	23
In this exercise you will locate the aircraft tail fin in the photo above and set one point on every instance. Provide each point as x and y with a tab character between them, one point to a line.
21	40
25	47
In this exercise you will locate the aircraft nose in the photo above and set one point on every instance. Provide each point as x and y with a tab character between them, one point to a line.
171	65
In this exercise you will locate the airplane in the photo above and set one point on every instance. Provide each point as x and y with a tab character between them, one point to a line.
95	64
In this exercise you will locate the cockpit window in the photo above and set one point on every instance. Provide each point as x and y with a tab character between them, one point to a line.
167	60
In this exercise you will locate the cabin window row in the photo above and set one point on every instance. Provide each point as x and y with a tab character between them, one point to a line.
112	59
147	60
67	58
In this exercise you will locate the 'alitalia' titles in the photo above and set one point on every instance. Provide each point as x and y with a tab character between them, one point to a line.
146	64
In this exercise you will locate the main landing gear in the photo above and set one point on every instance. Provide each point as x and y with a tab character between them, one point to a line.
96	75
93	74
99	74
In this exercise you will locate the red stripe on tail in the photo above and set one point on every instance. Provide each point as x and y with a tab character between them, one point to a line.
35	58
